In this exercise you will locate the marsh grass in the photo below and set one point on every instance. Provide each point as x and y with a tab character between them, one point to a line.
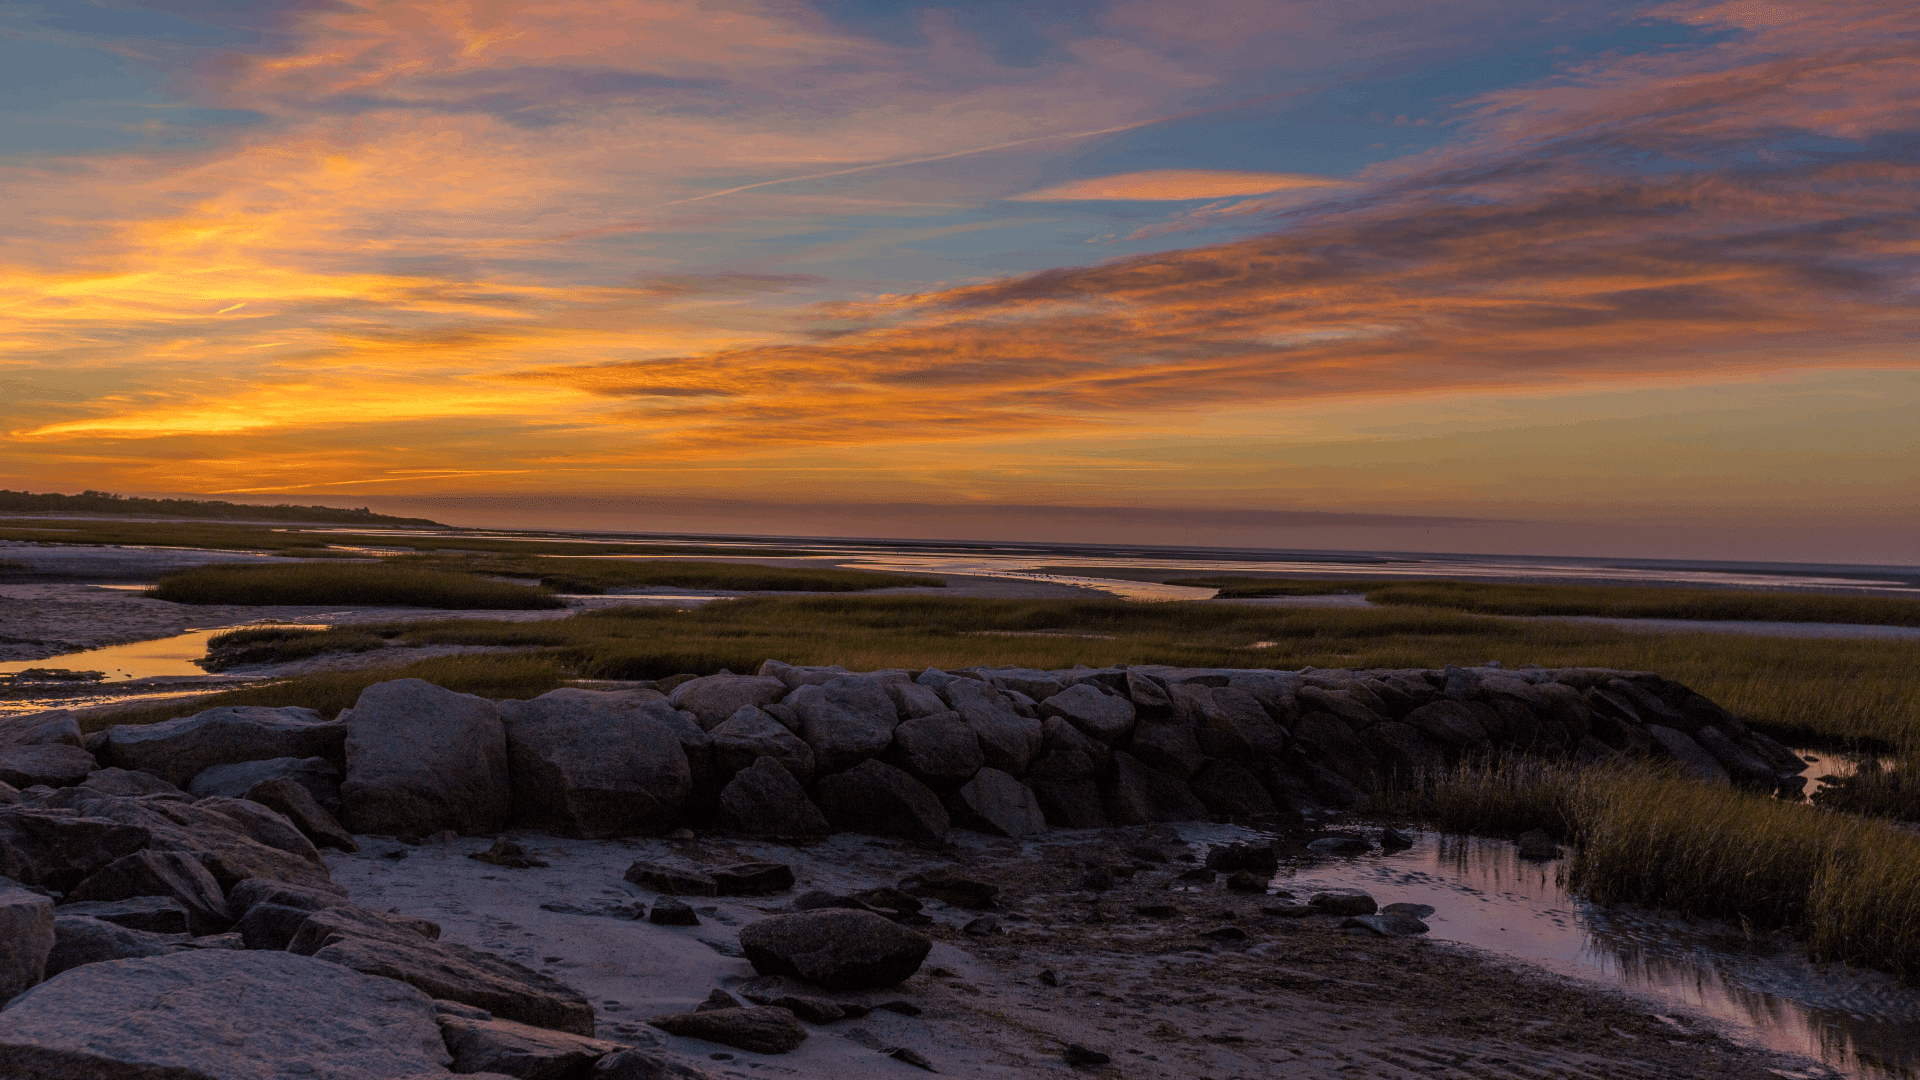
1254	588
1876	791
278	645
358	584
593	576
1630	602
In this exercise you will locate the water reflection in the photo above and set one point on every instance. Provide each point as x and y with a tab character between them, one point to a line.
1863	1024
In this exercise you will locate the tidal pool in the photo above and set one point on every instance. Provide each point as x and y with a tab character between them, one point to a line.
1758	989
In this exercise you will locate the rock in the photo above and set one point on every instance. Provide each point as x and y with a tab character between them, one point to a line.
811	1009
846	720
52	850
421	759
1340	845
245	894
115	781
670	912
1070	804
1340	704
672	880
294	801
40	729
982	926
764	799
1450	723
1333	745
945	885
1008	740
271	926
914	701
153	914
586	764
316	774
837	949
1537	846
641	1065
1418	911
520	1050
53	764
1693	761
1167	746
1259	858
749	735
1343	902
877	798
794	677
26	939
1229	723
1386	924
1403	751
716	698
754	879
80	939
179	750
1745	769
1138	795
939	749
1149	696
765	1030
220	1014
1246	881
176	875
264	825
997	803
718	999
506	853
213	834
1392	839
1080	1057
1067	753
1108	718
1229	790
394	949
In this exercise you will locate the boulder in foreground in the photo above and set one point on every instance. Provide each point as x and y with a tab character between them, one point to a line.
835	948
421	759
766	1030
514	1049
179	750
26	938
874	797
764	799
220	1015
588	764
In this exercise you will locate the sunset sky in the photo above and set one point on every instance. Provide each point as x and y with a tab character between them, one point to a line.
1574	277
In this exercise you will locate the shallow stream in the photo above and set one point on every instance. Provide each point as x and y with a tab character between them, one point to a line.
1757	989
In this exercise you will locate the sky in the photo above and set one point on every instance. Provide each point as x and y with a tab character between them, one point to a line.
1582	277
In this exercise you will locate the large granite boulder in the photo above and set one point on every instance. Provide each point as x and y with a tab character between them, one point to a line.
994	802
1405	754
1067	753
53	850
1450	723
217	839
113	780
846	720
154	914
26	939
715	699
318	775
294	802
583	765
765	800
175	875
421	759
264	824
53	764
767	1030
1170	746
1231	790
795	676
874	797
178	750
1334	745
221	1015
1341	704
1103	716
1008	740
1746	769
835	948
519	1050
1138	795
82	939
40	729
912	700
1229	723
1070	803
940	749
749	735
1693	760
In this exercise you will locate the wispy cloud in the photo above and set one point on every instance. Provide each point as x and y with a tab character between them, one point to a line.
1175	185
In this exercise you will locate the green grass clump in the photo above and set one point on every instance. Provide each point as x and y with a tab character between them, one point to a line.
1876	791
1629	602
594	576
278	645
369	585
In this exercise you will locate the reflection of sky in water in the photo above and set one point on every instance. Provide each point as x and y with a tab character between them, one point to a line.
1861	1023
140	660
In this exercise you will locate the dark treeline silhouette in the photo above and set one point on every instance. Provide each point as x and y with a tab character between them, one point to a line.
102	502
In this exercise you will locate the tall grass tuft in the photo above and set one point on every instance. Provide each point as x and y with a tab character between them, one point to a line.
1489	797
368	585
1640	602
1876	791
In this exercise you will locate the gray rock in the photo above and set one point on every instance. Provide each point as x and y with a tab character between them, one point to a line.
53	764
1340	845
1008	740
997	803
913	700
750	734
753	879
765	1030
1138	795
198	1015
294	801
271	926
53	850
1070	804
1403	751
1343	902
1108	718
211	836
1418	911
1340	704
1450	723
316	774
81	939
175	875
716	698
40	729
153	914
586	764
1149	696
1276	691
1745	769
1169	746
421	759
939	748
795	677
1386	924
672	880
642	1065
26	939
395	950
117	781
764	799
845	720
670	912
1229	723
264	825
1033	684
1229	790
520	1050
242	896
874	797
179	750
1334	746
835	948
1692	760
1067	753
